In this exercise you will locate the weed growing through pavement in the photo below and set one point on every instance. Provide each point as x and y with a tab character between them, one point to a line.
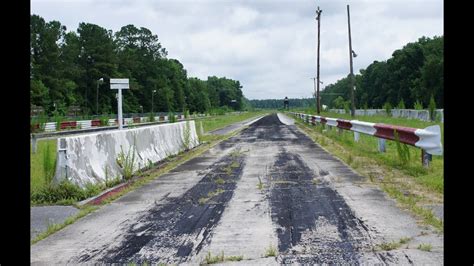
209	259
425	247
270	251
260	184
127	162
220	181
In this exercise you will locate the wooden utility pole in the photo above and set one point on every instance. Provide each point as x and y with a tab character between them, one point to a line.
352	72
318	106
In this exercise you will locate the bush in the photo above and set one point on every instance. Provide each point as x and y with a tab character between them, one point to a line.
402	150
151	117
104	120
347	108
388	108
401	104
432	108
65	191
418	105
48	164
171	117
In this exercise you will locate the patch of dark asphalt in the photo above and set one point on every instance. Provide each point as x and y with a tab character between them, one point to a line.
312	216
170	232
314	223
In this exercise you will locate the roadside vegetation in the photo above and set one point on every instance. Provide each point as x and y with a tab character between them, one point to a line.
44	192
398	171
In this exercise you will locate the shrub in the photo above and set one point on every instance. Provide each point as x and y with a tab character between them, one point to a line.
48	164
104	120
127	162
432	108
402	149
388	108
401	104
171	117
418	105
347	107
151	117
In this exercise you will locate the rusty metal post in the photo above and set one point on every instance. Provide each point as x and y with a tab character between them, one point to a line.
426	158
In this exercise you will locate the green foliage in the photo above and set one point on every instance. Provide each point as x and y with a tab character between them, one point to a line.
432	109
151	117
402	149
48	164
270	251
66	66
65	192
339	102
366	106
104	120
127	162
187	136
278	103
388	109
401	104
425	247
418	105
413	72
347	107
171	117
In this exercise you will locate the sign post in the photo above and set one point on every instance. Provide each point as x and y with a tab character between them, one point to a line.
119	84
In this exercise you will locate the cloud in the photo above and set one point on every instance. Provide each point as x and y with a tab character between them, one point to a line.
270	46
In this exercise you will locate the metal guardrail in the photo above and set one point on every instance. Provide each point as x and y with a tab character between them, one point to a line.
423	115
427	139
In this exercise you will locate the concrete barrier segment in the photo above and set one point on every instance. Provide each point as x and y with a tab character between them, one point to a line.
92	158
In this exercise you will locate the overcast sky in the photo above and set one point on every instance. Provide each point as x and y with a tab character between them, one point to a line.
269	46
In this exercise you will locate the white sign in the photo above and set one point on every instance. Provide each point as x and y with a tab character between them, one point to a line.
118	81
119	84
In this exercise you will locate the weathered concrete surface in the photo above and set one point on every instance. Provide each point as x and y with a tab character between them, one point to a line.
94	157
268	186
42	216
233	127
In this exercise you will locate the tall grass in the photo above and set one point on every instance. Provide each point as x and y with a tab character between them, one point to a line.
48	164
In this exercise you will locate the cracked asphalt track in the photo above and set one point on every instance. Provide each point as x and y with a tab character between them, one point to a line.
270	185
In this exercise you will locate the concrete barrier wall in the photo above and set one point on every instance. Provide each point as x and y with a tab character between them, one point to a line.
406	113
93	157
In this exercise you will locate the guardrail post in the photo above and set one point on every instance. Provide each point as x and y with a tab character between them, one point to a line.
201	128
339	131
356	136
382	145
33	143
426	158
61	166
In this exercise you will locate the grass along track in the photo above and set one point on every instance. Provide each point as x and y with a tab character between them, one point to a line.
413	186
42	163
169	164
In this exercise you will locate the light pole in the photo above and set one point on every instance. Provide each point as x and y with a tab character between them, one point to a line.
141	107
152	94
351	54
318	18
97	96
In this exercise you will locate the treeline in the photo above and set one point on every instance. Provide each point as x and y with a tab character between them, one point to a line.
66	68
278	103
410	77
